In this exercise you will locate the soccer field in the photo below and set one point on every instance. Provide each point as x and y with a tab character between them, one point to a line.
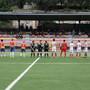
57	73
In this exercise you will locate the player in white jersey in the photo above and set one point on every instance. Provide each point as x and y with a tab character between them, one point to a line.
71	49
85	48
78	52
54	48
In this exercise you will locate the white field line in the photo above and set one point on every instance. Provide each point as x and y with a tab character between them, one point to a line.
21	75
38	63
62	63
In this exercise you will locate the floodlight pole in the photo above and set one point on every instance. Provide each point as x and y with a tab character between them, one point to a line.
79	25
59	24
19	25
79	21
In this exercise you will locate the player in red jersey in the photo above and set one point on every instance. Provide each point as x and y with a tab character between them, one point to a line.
63	48
12	48
23	49
2	49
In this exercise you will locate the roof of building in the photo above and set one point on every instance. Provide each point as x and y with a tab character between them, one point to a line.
45	16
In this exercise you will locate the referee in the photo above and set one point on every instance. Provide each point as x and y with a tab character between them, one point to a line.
32	46
46	47
39	47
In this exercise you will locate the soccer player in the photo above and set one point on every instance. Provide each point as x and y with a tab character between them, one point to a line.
85	48
23	49
12	48
63	48
54	48
78	52
39	46
71	49
46	47
32	46
2	48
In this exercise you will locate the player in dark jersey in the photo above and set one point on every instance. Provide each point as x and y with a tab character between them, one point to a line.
46	47
39	47
32	46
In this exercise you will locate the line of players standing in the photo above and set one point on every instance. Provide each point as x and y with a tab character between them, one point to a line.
23	48
40	47
63	47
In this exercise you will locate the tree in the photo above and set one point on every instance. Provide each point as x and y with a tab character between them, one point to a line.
5	5
62	2
46	4
81	3
87	4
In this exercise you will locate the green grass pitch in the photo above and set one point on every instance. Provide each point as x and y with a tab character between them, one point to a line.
57	73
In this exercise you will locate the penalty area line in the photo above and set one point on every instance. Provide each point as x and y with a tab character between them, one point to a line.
21	75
